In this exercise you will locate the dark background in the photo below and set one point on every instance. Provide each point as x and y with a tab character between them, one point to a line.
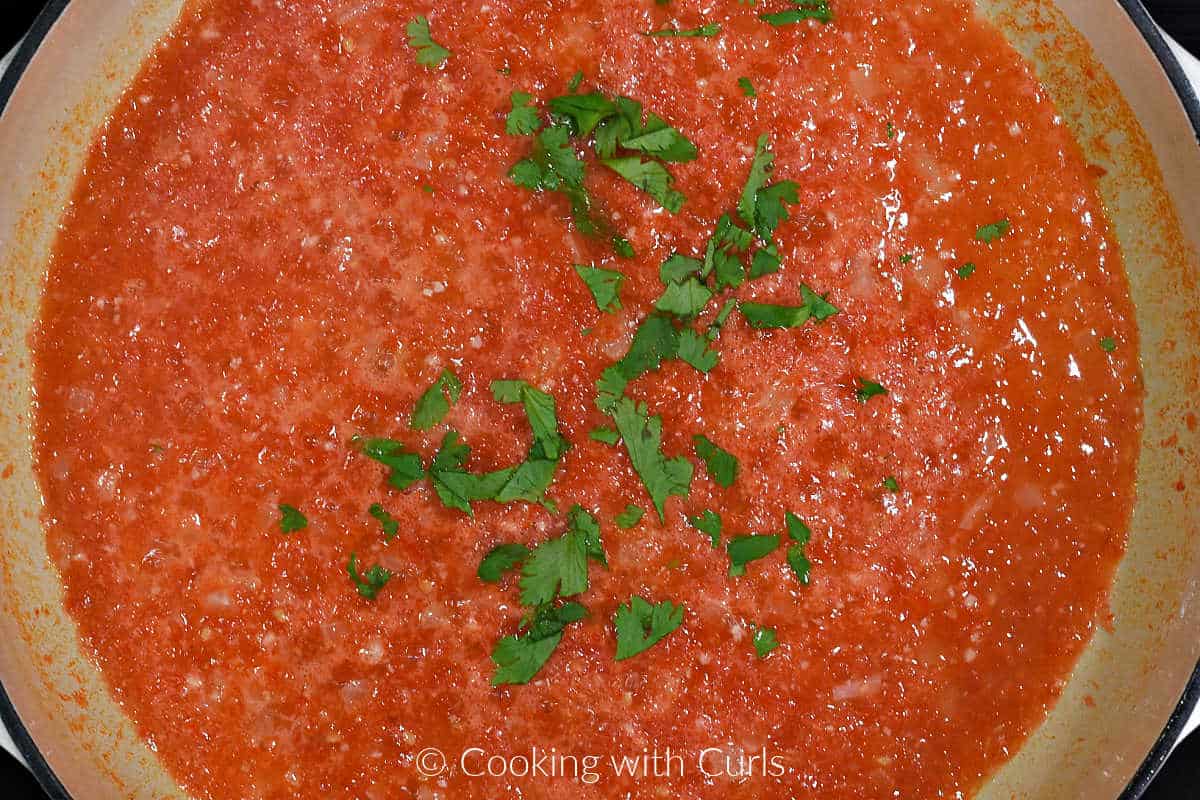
1181	778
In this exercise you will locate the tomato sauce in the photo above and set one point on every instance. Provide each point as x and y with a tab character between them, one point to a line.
289	227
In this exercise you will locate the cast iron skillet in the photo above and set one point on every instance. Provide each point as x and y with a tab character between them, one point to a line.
1183	770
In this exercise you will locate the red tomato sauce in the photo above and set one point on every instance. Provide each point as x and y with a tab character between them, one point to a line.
289	228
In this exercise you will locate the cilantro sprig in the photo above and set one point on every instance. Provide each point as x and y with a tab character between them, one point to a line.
434	404
429	52
519	658
640	625
368	583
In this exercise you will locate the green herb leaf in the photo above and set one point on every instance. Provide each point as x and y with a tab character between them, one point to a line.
405	466
708	523
762	315
556	568
760	170
770	208
604	284
694	351
654	137
765	641
433	406
655	341
523	119
745	549
685	300
290	519
649	176
631	516
766	261
718	324
891	484
704	32
369	583
429	52
722	253
585	523
501	559
519	658
966	270
575	82
456	487
540	410
389	524
747	87
1108	344
868	389
990	233
677	269
605	436
640	625
584	111
800	534
642	435
806	9
722	465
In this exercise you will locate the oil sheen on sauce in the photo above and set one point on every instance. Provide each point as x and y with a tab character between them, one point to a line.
288	228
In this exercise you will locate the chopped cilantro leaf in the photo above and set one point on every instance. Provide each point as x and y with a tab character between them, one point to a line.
805	9
457	488
721	255
694	351
501	559
718	324
584	111
765	641
582	521
649	176
966	270
389	524
744	549
519	658
868	389
640	625
554	165
290	519
990	233
604	284
747	87
891	131
765	261
655	341
762	207
604	436
433	406
760	170
630	517
540	410
405	467
1108	344
722	465
642	435
704	32
762	315
708	523
686	299
370	582
891	484
429	52
555	568
771	207
622	247
523	119
677	269
800	534
906	258
575	82
653	138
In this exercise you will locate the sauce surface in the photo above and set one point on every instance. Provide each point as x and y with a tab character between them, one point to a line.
289	228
